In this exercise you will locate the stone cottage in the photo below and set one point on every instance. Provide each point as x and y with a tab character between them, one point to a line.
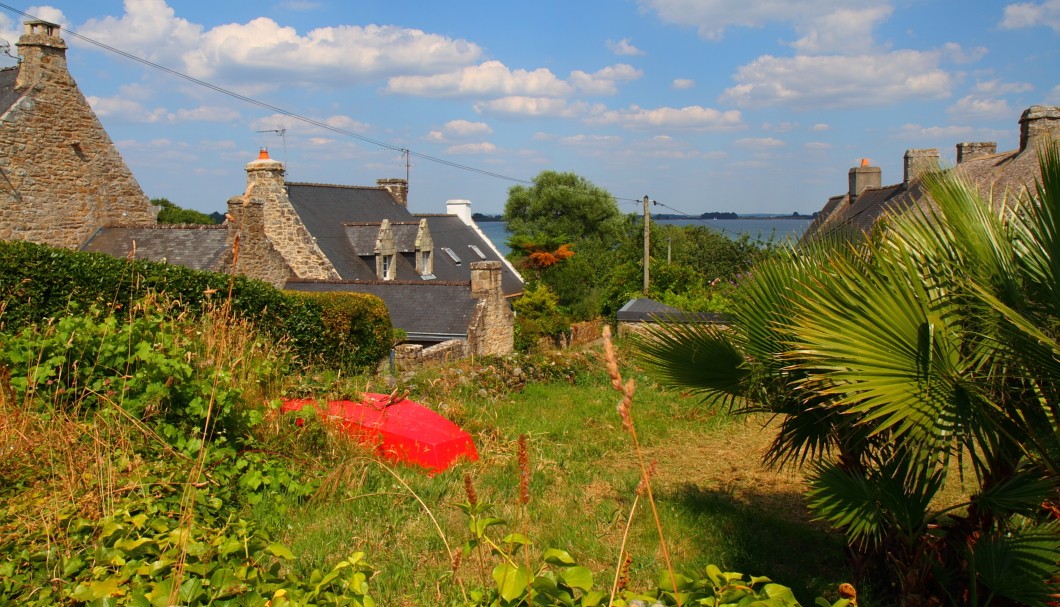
1000	177
61	178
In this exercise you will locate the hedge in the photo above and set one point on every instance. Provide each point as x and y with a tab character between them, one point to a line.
347	331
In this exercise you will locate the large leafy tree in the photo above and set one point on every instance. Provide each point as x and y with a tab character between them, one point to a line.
931	345
561	205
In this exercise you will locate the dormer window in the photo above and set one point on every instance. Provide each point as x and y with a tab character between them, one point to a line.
424	251
388	267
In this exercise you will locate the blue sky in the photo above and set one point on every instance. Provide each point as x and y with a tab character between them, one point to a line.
704	105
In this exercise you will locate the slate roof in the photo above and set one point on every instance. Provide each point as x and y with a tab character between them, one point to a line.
449	232
8	94
345	222
410	305
644	309
840	216
195	247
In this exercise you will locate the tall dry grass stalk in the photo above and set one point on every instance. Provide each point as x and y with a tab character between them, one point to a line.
625	413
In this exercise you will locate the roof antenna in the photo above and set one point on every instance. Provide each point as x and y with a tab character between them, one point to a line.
5	48
281	132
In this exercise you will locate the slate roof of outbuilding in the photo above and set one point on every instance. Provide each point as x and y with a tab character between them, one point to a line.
644	309
196	247
8	94
410	307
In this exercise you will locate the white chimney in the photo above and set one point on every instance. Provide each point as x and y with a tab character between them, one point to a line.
460	208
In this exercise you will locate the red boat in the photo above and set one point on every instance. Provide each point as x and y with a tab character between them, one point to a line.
400	429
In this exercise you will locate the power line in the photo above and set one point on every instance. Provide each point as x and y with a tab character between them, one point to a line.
289	113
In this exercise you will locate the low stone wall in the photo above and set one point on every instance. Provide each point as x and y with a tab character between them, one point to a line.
413	356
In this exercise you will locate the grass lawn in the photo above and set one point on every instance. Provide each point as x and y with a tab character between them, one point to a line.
717	504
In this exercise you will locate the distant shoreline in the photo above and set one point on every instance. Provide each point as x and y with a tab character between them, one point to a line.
481	218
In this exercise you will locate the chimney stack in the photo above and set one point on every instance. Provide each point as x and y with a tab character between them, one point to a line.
1039	124
398	188
42	53
486	279
862	177
970	150
460	208
920	162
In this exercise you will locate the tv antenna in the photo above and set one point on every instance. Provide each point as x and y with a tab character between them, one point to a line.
282	132
5	48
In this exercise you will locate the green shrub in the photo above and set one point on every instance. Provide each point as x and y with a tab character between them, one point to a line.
348	331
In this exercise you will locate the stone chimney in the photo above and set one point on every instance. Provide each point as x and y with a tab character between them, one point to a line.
1039	124
491	331
969	150
920	162
252	253
862	177
460	208
486	279
42	53
398	188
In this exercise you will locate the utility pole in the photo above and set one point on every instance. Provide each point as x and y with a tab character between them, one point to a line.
647	248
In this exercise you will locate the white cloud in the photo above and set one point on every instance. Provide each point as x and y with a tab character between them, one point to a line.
820	126
780	127
494	79
300	5
459	129
262	51
205	113
759	143
491	78
591	140
997	87
1054	95
713	17
130	110
11	27
472	148
845	30
958	54
683	83
623	47
973	107
604	81
692	117
817	146
945	133
805	82
538	107
1030	14
295	127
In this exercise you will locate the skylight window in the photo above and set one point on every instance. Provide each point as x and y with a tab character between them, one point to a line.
477	251
451	255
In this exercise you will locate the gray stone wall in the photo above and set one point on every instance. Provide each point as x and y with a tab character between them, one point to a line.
61	178
413	356
253	254
283	227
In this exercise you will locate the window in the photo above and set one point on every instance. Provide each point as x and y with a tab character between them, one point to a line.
425	262
388	267
477	251
452	255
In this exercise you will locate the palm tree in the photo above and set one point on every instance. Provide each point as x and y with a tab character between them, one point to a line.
930	342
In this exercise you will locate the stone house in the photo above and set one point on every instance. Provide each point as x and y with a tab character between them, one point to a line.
61	178
1000	177
63	183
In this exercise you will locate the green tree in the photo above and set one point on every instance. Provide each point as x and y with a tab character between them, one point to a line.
932	342
561	205
170	213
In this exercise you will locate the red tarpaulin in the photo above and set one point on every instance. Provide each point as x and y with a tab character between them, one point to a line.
400	429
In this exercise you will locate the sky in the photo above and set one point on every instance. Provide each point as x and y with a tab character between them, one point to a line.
755	106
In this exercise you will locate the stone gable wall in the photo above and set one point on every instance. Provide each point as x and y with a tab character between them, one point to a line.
61	178
282	225
255	257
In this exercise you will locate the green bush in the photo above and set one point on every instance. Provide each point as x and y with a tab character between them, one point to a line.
349	331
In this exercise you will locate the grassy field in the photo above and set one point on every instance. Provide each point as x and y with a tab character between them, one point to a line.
109	487
717	504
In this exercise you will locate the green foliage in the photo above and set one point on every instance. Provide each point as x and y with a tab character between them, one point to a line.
561	205
537	316
173	214
559	581
929	345
349	331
